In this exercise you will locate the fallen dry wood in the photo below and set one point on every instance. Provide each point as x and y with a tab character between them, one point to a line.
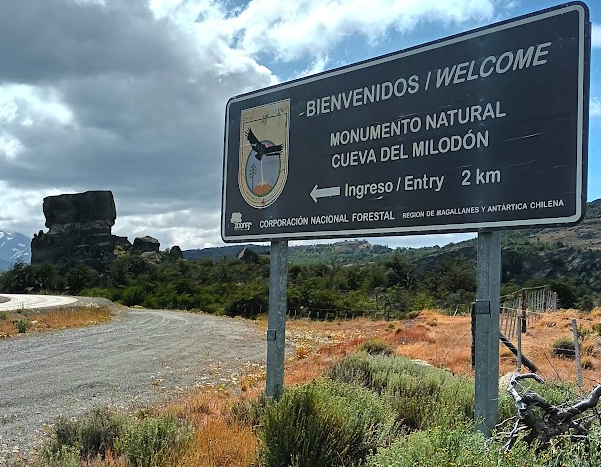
553	421
525	360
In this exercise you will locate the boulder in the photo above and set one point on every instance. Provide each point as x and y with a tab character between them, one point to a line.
248	256
79	231
93	210
176	252
146	244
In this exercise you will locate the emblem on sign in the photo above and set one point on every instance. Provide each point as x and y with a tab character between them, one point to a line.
263	166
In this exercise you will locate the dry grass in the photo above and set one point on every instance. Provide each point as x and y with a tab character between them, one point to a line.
110	460
445	341
73	317
61	318
221	443
219	440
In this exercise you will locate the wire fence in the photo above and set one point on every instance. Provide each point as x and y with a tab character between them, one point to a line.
325	314
525	306
528	302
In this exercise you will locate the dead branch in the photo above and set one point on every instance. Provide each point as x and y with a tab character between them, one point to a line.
554	422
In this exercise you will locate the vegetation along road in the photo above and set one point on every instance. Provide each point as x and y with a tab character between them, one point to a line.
141	357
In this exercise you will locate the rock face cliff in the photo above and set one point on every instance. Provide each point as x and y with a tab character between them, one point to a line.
79	230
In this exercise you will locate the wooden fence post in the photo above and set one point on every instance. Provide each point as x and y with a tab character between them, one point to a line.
523	317
577	354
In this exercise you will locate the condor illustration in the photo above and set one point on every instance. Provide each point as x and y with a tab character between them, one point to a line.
263	167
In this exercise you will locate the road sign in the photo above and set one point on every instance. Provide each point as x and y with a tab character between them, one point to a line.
483	130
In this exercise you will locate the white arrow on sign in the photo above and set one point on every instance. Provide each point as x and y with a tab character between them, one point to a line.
324	192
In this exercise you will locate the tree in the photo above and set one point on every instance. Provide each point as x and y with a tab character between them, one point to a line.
16	279
80	276
252	172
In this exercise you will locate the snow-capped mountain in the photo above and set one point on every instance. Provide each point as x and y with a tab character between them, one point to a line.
14	247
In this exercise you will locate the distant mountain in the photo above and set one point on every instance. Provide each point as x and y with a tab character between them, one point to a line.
14	247
217	253
586	235
344	252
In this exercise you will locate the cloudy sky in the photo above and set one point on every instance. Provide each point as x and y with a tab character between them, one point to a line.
130	95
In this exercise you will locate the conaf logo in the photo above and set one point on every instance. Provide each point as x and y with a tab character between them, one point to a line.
236	219
263	163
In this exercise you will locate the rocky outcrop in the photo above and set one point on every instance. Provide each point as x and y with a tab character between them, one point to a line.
79	230
248	256
90	211
176	253
146	244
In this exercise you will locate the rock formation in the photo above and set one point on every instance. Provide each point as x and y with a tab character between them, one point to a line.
79	230
176	253
145	244
248	256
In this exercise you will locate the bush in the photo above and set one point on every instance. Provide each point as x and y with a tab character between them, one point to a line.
22	325
94	435
65	457
376	347
325	424
154	441
423	396
150	442
440	446
563	347
460	446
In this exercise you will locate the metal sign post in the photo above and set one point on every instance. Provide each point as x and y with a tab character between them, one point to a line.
486	331
276	319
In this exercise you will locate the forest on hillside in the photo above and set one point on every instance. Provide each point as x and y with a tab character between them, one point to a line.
395	283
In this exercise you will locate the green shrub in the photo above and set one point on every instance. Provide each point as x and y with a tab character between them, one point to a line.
440	446
22	325
66	434
586	453
325	424
3	315
563	347
93	435
459	446
100	431
376	347
66	456
423	396
154	441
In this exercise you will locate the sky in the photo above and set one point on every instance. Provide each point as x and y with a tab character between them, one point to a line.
130	95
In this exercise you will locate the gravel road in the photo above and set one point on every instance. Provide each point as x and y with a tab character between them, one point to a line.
141	357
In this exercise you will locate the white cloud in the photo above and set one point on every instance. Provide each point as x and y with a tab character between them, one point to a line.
32	103
290	30
21	209
316	66
595	107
